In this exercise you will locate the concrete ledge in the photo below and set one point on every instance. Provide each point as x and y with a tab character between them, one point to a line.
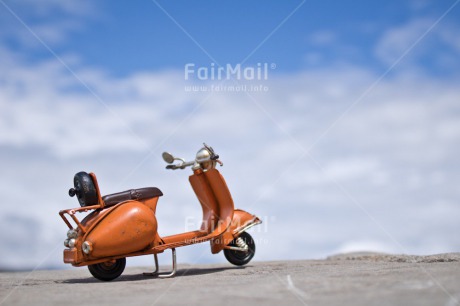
346	279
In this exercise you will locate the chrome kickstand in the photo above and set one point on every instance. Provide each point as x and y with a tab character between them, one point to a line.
157	269
154	273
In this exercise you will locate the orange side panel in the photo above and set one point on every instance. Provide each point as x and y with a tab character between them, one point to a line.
152	203
127	228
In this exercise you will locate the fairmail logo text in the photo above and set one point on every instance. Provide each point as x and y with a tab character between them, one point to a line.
236	72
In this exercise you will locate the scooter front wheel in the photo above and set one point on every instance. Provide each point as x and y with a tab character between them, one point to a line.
108	270
240	258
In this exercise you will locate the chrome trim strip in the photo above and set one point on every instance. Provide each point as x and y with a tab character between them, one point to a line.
245	228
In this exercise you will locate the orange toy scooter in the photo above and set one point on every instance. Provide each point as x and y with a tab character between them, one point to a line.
124	224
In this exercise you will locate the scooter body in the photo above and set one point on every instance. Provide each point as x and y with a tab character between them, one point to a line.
124	224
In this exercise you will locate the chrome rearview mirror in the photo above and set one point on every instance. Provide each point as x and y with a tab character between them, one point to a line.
168	157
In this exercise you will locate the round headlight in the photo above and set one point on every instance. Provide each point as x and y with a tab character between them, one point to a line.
87	247
71	233
66	243
203	155
71	243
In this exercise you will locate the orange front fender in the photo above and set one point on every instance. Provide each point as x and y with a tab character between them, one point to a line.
242	220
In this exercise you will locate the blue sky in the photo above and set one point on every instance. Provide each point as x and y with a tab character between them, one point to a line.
355	142
122	39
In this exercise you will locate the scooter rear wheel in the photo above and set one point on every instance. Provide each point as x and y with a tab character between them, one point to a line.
240	258
109	270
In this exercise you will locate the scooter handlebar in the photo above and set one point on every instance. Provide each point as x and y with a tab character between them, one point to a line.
180	166
205	154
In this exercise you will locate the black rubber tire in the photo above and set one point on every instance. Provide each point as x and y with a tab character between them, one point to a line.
85	189
108	271
240	258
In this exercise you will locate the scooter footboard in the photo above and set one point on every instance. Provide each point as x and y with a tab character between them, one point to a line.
241	222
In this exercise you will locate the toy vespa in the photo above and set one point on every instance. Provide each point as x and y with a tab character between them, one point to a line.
123	224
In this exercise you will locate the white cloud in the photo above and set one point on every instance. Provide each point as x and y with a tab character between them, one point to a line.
313	58
450	37
323	38
47	7
418	5
51	33
50	20
422	39
397	40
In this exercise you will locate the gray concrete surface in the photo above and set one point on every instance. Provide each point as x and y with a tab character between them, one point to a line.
350	279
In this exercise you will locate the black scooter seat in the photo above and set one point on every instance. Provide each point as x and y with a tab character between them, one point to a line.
132	194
